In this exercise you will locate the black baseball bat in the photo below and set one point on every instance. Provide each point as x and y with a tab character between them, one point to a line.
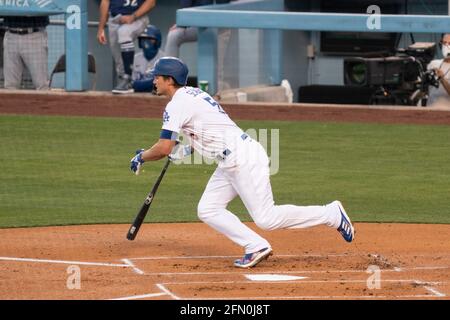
146	205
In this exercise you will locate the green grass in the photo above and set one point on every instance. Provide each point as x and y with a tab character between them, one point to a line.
75	170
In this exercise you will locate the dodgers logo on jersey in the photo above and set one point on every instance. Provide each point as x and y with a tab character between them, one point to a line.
166	116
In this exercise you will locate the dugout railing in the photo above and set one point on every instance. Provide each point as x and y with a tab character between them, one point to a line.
270	15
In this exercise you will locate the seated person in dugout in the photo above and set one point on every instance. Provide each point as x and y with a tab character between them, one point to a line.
150	43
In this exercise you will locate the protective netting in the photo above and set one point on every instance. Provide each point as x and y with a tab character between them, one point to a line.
56	47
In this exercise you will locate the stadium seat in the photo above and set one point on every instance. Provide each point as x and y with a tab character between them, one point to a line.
60	67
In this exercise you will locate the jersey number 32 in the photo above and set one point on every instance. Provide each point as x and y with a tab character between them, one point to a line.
132	3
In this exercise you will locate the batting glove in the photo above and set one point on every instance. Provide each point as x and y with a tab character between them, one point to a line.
136	162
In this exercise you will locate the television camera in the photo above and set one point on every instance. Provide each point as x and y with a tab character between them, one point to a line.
401	79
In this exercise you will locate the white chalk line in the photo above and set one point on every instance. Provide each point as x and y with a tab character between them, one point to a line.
142	296
292	272
332	255
435	292
426	286
428	268
129	264
236	256
167	291
101	264
299	282
135	269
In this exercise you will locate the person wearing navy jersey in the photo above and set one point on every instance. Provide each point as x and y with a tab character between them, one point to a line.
126	19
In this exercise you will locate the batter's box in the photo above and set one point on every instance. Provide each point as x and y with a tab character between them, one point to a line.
303	289
283	263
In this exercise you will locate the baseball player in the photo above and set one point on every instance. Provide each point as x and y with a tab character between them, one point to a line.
150	43
127	20
243	168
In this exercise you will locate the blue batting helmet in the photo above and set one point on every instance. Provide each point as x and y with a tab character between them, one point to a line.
149	47
171	66
152	32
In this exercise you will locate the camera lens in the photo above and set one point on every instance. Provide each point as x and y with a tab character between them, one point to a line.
358	73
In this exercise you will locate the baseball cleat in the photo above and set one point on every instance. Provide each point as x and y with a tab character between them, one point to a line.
345	228
252	259
124	86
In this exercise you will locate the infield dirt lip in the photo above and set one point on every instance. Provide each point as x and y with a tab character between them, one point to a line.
147	106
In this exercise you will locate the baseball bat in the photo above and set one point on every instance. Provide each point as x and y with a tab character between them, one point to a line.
132	232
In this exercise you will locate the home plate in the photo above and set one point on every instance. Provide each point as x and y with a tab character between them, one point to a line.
272	277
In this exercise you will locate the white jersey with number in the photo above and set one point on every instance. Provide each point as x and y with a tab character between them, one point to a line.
196	114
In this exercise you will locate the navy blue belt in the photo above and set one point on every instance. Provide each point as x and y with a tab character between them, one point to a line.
227	151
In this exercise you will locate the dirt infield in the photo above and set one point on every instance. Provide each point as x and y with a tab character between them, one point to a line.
191	261
182	261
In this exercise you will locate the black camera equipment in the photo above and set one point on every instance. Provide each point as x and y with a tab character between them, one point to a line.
402	79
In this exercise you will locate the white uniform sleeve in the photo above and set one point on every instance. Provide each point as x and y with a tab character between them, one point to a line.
174	117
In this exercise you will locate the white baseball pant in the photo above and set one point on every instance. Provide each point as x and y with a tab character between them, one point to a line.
248	177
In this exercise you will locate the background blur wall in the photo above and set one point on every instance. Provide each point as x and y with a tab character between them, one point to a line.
297	67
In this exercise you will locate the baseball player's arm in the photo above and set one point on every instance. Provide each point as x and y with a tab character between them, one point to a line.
104	13
142	11
159	150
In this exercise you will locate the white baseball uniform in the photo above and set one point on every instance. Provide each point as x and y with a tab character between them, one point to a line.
243	170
